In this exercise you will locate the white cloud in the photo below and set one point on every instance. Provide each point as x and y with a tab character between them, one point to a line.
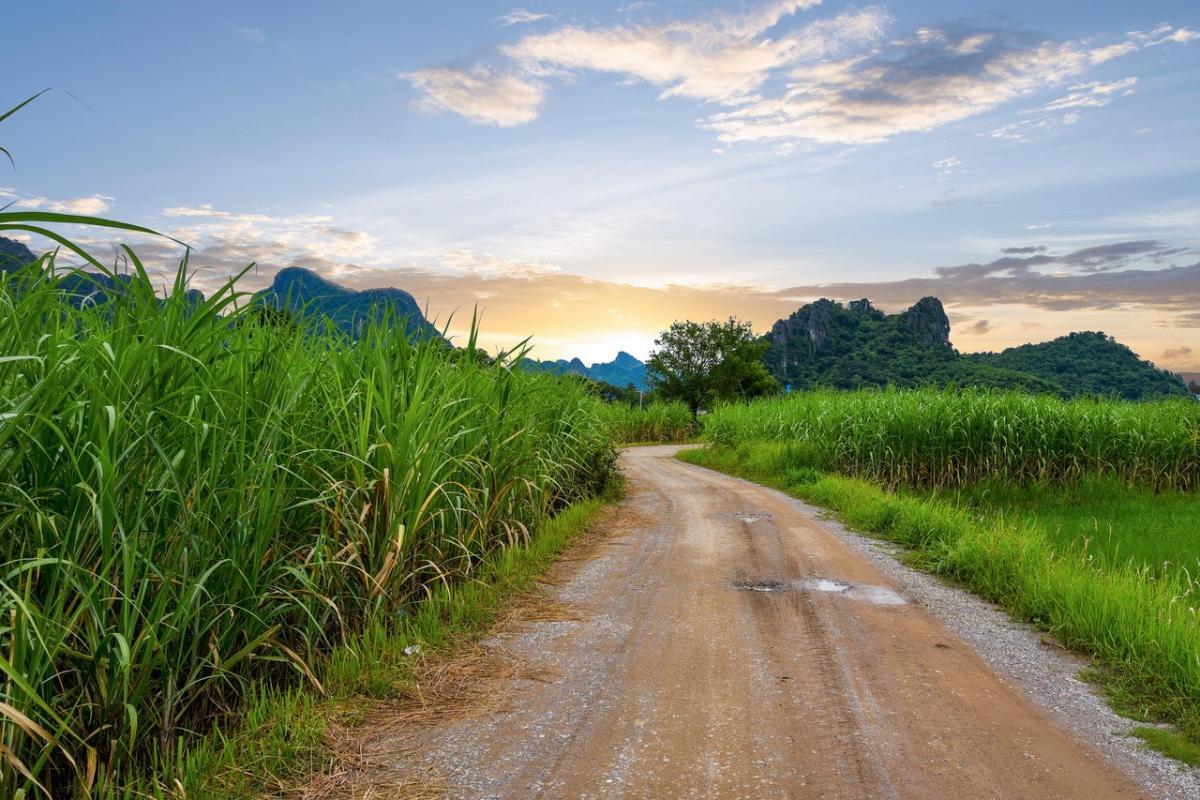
232	240
488	264
1101	54
203	210
1092	95
1165	34
936	78
479	94
89	205
834	92
520	16
724	59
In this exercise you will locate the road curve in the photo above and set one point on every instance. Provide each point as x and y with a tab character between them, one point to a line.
730	646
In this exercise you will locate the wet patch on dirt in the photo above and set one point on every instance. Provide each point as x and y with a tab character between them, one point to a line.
875	595
761	586
748	517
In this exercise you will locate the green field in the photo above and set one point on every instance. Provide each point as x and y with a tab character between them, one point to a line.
1104	520
200	500
1077	515
946	438
656	422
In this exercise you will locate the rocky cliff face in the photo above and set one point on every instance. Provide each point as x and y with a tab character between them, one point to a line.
828	344
927	322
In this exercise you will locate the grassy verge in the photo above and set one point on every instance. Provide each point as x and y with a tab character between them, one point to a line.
281	737
1102	518
1140	629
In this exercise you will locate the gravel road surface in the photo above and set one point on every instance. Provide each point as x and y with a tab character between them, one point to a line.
730	644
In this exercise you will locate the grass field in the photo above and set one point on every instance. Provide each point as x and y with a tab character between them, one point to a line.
656	422
948	438
201	502
1102	519
1078	516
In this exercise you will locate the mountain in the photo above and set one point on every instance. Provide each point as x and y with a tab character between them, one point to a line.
14	254
81	286
847	347
828	344
304	293
622	371
1088	363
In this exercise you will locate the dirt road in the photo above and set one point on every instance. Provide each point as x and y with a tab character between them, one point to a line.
730	646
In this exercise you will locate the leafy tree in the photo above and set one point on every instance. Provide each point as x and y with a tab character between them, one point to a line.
699	363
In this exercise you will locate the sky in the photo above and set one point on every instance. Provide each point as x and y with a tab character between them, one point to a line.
586	172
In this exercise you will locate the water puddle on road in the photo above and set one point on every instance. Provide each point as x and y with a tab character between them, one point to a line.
875	595
748	517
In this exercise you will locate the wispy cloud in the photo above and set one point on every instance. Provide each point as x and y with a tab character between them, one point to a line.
723	59
1092	95
521	16
479	94
88	205
837	80
977	328
203	210
919	83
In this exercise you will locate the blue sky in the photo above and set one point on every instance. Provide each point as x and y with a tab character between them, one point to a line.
587	172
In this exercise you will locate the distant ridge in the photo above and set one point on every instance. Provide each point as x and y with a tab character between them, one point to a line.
1090	363
622	371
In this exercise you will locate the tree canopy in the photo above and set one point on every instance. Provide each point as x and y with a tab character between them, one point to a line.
700	363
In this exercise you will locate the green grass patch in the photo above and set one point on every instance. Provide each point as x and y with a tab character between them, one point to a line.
1114	524
1170	744
1140	629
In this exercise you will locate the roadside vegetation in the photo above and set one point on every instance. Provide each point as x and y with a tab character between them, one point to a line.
656	422
1078	516
199	504
938	439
